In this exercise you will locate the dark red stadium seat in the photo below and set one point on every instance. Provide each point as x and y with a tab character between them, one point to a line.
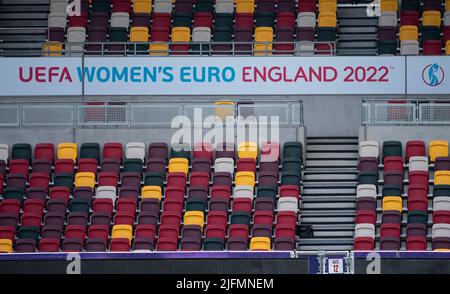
49	245
62	193
237	244
129	192
145	231
409	18
263	217
268	166
176	180
110	165
246	164
10	206
174	193
393	163
242	205
390	230
307	6
119	245
166	244
98	232
75	232
168	231
198	192
113	150
150	204
39	180
44	151
218	191
284	230
286	217
221	179
173	205
126	204
55	218
390	243
243	38
87	165
305	34
124	218
121	6
416	243
391	216
100	218
83	193
203	19
368	164
225	150
201	165
156	165
203	150
441	217
64	166
442	163
387	33
215	231
217	217
365	217
199	179
31	219
364	243
432	47
284	40
72	245
419	178
143	244
18	166
264	204
415	148
161	20
41	166
268	178
289	191
366	203
238	231
8	220
25	246
284	244
77	218
103	204
262	230
148	217
170	218
221	204
131	179
33	206
191	231
8	232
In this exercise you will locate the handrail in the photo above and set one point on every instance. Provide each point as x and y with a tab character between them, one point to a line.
134	48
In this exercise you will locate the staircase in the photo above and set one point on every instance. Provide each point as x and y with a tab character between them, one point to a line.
329	193
23	27
357	32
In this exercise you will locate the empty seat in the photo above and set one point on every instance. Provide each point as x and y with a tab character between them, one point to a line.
260	244
194	218
392	148
369	177
85	179
368	164
135	150
263	40
431	18
288	204
224	165
67	151
21	151
248	150
392	203
327	19
245	179
365	216
418	163
178	165
368	149
122	231
438	149
442	177
408	33
415	148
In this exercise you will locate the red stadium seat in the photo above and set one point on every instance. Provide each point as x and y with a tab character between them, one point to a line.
45	151
64	166
113	150
87	165
199	179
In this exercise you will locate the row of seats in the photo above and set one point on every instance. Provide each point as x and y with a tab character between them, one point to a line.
263	23
393	204
161	204
429	27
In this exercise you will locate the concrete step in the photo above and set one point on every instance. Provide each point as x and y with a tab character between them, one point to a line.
324	191
329	177
328	198
339	163
332	147
329	140
328	205
336	184
332	155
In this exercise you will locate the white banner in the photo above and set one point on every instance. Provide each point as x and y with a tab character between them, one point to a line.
203	76
40	76
428	75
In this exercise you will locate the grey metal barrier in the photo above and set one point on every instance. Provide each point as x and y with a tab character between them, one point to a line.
125	115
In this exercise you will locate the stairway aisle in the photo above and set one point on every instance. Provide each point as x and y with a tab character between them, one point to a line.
23	27
329	193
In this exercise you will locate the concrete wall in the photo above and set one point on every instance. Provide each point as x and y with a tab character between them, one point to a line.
404	133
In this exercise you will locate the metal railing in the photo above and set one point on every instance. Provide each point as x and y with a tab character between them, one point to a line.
408	113
302	48
127	115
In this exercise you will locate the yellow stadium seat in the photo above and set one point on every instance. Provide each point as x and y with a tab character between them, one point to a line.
139	34
392	203
327	6
142	6
447	5
85	179
245	178
438	148
52	49
327	19
441	250
431	18
260	244
122	231
67	151
194	218
178	165
151	192
442	177
409	33
248	150
265	35
245	6
224	109
5	246
389	5
159	49
181	34
447	48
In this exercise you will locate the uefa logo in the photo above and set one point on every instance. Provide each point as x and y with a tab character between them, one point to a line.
433	75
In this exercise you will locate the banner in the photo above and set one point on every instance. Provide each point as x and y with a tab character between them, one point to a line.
203	76
428	75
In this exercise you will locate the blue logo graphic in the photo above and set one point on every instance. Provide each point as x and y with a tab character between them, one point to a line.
433	75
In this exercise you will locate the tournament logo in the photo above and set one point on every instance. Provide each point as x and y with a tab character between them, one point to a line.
433	75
